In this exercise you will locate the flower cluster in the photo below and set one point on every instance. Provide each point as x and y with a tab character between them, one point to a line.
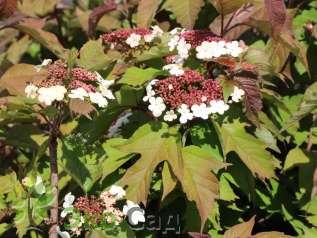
187	96
213	49
78	84
91	212
131	38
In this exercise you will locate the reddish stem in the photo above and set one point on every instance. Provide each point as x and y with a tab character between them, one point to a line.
54	183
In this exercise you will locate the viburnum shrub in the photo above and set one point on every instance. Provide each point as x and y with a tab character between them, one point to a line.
170	118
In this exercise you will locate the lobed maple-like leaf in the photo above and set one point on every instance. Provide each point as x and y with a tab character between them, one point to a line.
276	11
186	11
251	151
155	142
240	230
199	183
146	12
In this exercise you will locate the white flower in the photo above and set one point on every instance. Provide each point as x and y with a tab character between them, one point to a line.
68	200
45	96
186	115
79	93
173	42
183	48
149	95
201	111
31	91
137	215
178	60
149	91
104	88
63	234
174	69
175	31
237	94
44	63
133	40
149	38
157	31
156	106
59	92
99	99
49	95
170	116
208	50
67	204
218	107
117	191
233	48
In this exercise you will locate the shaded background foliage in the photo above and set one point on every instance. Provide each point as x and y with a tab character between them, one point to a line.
272	180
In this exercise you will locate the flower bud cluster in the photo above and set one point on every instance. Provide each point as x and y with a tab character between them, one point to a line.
187	97
80	84
102	211
131	38
187	94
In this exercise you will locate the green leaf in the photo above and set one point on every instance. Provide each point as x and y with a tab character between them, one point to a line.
92	56
146	12
186	11
261	59
164	146
203	135
199	183
123	231
225	7
17	49
21	219
168	179
240	230
4	227
44	7
45	38
226	191
307	106
250	150
115	158
135	76
156	52
294	158
81	163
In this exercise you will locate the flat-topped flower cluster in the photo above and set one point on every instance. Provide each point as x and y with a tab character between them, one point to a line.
187	97
61	85
124	39
187	94
97	212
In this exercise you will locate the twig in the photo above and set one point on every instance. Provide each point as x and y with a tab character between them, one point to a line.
54	134
54	183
